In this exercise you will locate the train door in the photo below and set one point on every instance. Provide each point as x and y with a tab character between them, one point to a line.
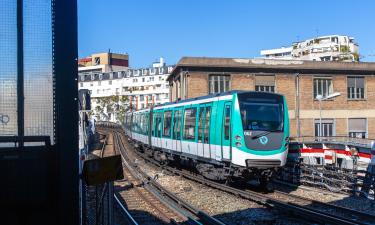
189	130
200	144
225	133
176	136
166	132
203	145
206	132
156	129
159	129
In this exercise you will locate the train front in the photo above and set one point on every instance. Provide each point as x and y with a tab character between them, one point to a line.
260	133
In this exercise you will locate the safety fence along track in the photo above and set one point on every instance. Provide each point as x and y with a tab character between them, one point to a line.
304	208
143	201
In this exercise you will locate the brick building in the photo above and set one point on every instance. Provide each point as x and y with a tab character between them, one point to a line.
352	113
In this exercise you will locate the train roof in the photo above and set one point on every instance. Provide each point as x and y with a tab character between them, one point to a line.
213	96
207	97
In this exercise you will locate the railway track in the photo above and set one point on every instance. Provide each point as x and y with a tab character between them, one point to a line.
146	202
298	206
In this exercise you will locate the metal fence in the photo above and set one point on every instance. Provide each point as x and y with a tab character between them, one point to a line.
98	207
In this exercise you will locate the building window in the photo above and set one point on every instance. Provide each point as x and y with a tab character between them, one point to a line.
99	83
141	98
219	83
97	61
110	82
143	79
189	123
265	83
91	84
357	128
356	87
323	86
135	80
327	130
151	78
81	84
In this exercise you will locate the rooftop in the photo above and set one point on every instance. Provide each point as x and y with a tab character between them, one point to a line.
273	65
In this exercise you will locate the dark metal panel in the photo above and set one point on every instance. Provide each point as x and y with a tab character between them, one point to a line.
66	111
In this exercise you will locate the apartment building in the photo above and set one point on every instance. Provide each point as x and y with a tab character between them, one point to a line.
323	48
350	111
142	87
103	62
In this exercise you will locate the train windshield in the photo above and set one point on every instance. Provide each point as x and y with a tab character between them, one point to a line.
261	111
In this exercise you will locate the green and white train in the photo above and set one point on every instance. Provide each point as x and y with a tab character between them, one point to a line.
236	133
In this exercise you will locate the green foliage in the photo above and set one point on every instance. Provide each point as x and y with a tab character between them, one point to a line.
344	48
112	105
356	56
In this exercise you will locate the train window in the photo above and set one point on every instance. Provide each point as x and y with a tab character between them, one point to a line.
200	124
189	123
177	125
226	122
207	125
167	124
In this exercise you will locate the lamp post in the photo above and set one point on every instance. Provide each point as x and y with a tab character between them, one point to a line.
320	98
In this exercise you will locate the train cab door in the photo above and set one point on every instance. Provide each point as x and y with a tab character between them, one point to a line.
225	133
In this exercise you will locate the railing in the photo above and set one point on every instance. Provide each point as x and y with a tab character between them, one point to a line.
360	142
14	141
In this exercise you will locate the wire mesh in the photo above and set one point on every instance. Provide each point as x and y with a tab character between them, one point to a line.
38	76
8	68
98	204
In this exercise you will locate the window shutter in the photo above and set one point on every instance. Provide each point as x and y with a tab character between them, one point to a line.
265	80
357	124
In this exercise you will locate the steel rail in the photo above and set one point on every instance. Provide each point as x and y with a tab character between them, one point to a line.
126	212
298	210
180	205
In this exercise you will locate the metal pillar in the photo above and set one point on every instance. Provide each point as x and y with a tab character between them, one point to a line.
20	73
66	108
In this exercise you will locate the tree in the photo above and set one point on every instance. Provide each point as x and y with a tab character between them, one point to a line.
112	105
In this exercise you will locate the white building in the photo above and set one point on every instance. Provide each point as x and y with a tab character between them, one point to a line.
141	87
324	48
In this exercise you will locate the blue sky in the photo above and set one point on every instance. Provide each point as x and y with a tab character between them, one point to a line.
149	29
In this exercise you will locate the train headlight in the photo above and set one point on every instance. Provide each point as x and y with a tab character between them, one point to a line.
238	144
237	137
